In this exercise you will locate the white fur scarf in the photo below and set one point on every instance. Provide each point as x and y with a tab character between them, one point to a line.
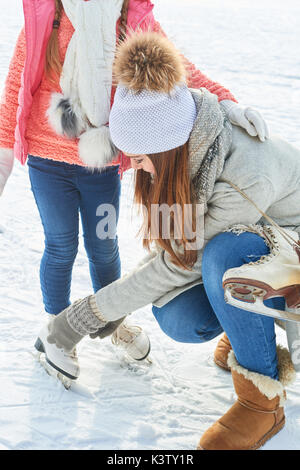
82	110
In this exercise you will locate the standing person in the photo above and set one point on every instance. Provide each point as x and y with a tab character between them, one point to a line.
55	111
185	151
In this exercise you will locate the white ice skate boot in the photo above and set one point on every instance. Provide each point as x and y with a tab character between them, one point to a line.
50	317
274	275
64	362
133	340
58	339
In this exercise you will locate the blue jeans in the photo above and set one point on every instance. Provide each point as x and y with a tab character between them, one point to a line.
201	313
61	192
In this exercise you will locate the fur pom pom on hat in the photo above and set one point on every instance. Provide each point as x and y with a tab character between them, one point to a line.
149	61
153	109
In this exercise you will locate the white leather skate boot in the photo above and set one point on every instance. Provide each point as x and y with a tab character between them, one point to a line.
274	275
133	340
59	337
130	338
58	358
73	354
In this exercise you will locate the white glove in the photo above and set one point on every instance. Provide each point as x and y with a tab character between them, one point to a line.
6	166
248	118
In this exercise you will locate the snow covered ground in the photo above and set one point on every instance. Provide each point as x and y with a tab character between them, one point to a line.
250	46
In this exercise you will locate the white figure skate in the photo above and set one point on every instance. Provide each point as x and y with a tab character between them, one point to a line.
65	366
133	341
274	275
64	362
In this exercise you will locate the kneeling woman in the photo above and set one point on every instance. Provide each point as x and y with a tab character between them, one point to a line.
185	148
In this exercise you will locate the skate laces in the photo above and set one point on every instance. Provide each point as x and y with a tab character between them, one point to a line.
295	244
72	355
125	334
272	243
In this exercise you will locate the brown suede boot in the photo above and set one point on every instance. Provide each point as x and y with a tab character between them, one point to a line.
258	413
221	352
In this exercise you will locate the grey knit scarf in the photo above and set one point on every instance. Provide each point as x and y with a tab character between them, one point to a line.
209	144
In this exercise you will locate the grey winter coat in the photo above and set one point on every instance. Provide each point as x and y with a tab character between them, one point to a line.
268	172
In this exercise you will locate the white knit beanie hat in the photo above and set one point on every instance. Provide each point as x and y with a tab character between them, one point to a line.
153	110
151	122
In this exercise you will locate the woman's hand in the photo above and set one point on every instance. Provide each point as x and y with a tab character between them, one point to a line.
248	118
6	166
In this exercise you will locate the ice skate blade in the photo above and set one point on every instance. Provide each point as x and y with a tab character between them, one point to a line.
247	289
147	360
260	308
70	385
66	382
131	361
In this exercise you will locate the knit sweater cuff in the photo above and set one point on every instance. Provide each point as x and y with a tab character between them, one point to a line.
95	309
227	105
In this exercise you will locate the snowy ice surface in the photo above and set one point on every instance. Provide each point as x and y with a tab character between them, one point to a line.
250	46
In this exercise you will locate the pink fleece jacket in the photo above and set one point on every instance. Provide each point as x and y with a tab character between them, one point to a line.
23	121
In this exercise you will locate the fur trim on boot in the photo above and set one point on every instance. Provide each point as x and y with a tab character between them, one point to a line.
95	147
258	413
266	385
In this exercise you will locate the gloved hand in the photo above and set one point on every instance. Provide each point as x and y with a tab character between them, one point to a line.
248	118
6	166
108	329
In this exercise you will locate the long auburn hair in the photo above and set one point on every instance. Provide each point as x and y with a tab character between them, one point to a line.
171	185
53	64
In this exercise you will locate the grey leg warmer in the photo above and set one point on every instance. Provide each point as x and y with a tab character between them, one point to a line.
76	321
